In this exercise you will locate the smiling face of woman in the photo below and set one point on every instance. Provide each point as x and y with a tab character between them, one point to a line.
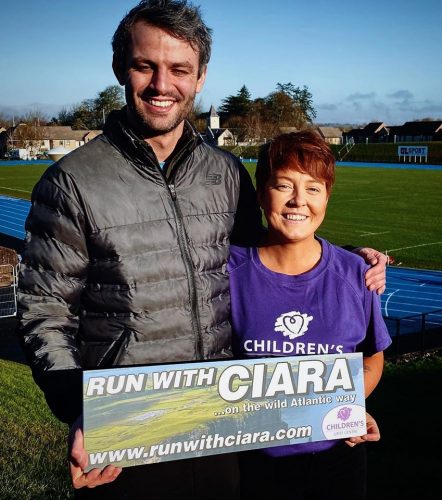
294	204
294	177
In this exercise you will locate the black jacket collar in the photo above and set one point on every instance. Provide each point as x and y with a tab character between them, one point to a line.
136	149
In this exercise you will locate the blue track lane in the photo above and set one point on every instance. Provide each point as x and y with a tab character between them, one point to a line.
13	213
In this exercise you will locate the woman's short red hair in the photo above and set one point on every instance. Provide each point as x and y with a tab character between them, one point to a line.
303	151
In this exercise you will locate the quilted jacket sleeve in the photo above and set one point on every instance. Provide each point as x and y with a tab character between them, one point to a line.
52	276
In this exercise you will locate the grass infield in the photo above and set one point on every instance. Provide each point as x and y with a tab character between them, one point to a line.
18	180
32	442
398	211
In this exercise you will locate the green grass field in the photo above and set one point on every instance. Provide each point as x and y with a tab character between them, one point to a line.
395	210
32	442
399	211
18	181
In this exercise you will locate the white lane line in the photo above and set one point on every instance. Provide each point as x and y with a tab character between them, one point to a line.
416	290
386	303
14	189
406	271
415	246
373	234
433	312
409	280
435	305
338	202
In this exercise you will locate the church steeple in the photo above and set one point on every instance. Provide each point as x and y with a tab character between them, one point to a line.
213	118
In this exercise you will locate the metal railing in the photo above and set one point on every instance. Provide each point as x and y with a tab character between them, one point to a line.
416	332
8	290
346	148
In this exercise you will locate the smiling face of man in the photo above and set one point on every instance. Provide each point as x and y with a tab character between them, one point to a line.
161	79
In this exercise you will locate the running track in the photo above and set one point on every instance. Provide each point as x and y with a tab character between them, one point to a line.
413	296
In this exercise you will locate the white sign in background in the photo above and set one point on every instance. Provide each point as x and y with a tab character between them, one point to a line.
413	151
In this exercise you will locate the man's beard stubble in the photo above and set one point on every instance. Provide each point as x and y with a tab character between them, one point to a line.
145	124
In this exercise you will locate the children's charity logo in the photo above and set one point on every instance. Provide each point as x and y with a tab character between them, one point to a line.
344	413
344	421
292	324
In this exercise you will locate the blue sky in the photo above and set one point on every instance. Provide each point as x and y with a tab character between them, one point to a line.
362	61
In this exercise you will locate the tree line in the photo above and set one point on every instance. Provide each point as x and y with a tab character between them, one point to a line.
89	114
287	106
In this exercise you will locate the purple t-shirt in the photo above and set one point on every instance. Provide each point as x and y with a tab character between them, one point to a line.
325	310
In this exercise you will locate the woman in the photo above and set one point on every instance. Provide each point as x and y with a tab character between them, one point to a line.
296	294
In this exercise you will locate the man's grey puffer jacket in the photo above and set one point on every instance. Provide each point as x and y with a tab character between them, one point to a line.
125	264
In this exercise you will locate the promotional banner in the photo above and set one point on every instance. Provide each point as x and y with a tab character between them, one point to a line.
149	414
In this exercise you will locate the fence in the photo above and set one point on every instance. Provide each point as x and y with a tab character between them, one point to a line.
8	282
416	332
8	290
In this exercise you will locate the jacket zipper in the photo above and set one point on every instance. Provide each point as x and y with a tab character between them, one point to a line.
188	264
148	155
114	355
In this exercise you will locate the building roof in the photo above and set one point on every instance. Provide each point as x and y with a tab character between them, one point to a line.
421	128
63	133
330	132
370	129
287	130
373	128
213	112
215	133
355	132
395	129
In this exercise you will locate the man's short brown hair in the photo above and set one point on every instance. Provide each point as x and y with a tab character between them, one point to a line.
178	18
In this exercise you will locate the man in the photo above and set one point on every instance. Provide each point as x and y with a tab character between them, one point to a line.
127	243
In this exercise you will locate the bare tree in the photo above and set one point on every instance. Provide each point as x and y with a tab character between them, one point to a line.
28	134
195	116
5	122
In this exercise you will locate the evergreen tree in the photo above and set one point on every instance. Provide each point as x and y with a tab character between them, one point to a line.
237	105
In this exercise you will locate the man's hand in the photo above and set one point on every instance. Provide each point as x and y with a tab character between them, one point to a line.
373	433
375	278
78	461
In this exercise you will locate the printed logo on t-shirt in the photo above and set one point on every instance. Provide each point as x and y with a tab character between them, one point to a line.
292	324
